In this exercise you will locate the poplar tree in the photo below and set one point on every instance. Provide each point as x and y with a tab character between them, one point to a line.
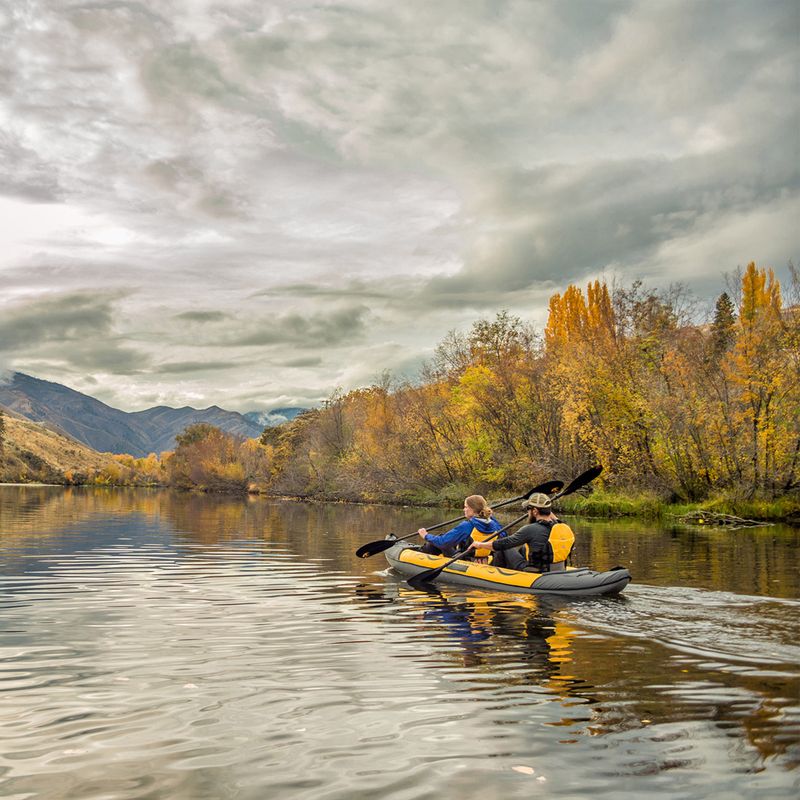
757	366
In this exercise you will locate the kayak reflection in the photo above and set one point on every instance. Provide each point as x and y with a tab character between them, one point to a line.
521	641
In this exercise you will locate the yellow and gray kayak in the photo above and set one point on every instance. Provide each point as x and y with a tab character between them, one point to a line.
574	581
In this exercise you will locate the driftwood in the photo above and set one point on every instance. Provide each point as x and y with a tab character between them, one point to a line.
714	518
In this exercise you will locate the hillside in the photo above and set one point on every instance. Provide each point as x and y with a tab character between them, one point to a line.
107	429
91	422
31	452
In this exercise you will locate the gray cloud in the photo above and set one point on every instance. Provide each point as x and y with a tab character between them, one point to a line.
310	361
351	289
324	329
30	179
111	356
71	332
72	318
202	316
178	367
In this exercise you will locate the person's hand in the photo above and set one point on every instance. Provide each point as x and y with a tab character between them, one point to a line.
422	532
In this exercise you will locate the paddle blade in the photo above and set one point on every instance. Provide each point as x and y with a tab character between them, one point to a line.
581	481
422	581
424	585
373	548
545	488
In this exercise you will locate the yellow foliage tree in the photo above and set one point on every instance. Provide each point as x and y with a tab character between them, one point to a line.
757	366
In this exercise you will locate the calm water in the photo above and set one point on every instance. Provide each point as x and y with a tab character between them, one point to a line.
158	645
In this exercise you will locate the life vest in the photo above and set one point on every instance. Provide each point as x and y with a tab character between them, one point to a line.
561	542
555	550
479	536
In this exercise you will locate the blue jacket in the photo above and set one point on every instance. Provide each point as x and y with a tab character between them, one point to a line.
463	531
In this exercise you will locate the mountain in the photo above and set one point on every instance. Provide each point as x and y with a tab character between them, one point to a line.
107	429
164	423
102	427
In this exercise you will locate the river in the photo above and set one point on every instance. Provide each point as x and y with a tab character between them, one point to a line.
163	645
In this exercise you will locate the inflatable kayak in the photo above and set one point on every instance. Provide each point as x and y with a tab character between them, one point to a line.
574	581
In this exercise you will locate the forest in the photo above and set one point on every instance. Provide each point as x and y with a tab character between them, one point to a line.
623	376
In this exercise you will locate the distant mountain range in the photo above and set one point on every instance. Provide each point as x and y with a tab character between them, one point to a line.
110	430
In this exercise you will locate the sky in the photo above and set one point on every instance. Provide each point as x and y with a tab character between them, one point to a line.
252	204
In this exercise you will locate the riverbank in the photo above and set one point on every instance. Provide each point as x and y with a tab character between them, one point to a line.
600	503
603	504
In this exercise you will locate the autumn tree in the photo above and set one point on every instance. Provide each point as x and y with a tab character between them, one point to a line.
207	458
596	348
757	366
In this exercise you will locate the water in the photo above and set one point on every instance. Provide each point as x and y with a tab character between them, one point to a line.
159	645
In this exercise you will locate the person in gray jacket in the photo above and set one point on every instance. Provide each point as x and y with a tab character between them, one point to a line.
529	548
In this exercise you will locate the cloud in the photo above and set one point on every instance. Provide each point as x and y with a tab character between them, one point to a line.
71	330
31	179
202	316
347	290
71	317
179	367
562	223
323	329
112	356
309	361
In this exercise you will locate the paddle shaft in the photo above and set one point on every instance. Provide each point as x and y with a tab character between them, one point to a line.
432	574
373	548
458	519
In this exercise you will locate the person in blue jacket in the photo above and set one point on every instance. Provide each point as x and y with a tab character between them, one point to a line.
479	523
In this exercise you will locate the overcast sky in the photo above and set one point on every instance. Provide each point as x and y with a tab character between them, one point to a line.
250	203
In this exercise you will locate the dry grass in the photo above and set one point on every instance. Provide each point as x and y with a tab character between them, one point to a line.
33	452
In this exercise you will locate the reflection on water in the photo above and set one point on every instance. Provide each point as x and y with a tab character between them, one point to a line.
160	645
536	641
762	561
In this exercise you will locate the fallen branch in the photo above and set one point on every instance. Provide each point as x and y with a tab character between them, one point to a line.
715	518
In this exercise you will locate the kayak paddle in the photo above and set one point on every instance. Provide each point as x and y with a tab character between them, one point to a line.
373	548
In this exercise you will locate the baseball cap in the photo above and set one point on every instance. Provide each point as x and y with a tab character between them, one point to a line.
537	500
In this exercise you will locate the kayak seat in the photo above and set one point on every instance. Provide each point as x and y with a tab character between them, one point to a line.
562	540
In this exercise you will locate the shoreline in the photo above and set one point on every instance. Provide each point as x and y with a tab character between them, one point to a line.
600	504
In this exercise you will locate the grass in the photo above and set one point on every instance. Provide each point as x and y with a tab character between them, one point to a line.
646	504
32	452
603	503
781	508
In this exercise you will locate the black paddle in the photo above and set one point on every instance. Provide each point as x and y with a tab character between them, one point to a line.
373	548
420	580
